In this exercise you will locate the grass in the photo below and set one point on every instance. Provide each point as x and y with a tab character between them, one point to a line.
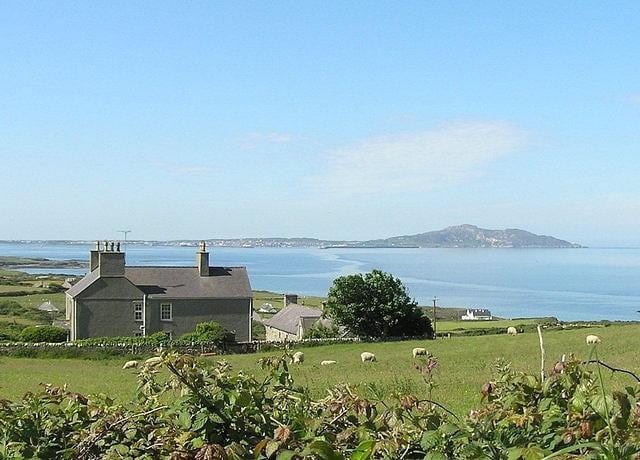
465	363
446	326
34	300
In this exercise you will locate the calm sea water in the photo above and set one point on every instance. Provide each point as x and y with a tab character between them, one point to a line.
592	283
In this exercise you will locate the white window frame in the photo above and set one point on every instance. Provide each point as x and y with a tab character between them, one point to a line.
138	308
165	304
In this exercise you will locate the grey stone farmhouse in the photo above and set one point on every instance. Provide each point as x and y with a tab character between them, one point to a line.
118	300
291	323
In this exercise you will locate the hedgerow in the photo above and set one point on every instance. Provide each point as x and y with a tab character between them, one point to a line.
204	410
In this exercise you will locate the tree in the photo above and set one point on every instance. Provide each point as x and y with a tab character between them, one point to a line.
376	304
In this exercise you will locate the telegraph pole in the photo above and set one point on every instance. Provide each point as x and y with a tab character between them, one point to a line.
125	233
435	299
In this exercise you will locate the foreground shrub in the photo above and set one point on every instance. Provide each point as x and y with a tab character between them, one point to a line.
190	409
50	334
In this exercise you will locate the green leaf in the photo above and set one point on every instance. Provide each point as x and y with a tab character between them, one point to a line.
324	450
364	450
272	447
435	456
286	455
184	420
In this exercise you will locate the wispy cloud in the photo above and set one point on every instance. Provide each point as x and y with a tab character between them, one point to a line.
419	161
256	139
634	98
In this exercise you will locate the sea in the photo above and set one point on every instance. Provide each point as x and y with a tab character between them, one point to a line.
570	284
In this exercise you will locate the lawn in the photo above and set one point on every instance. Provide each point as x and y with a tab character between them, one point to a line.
464	364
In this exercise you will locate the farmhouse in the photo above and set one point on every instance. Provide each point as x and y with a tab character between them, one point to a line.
291	323
477	314
118	300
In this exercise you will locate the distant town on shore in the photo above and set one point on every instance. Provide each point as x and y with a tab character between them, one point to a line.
461	236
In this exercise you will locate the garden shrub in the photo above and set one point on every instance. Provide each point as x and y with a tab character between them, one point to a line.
49	334
208	332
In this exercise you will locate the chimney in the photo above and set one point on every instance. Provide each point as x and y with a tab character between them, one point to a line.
93	257
202	259
290	298
110	261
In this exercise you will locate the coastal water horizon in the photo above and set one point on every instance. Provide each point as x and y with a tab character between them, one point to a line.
593	283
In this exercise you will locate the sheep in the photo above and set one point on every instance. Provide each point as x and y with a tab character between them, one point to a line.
512	330
419	352
593	339
366	356
328	362
130	364
298	357
153	361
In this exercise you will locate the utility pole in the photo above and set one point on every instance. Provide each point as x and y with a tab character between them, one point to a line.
125	233
435	299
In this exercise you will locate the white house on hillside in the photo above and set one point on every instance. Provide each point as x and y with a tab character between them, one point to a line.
477	314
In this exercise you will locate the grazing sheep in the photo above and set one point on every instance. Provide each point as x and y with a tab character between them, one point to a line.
512	330
328	362
153	361
366	356
298	357
593	339
130	364
420	352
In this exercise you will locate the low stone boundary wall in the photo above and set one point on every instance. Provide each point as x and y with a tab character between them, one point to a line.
180	347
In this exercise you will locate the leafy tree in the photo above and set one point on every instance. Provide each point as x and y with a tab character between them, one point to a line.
320	331
376	304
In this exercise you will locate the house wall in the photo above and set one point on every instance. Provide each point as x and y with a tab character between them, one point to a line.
105	309
233	314
276	335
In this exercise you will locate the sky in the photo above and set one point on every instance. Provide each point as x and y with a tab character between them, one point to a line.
336	120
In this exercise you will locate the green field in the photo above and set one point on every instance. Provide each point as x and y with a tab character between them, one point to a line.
447	326
465	363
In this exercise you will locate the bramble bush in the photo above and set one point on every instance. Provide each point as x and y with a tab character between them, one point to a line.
206	411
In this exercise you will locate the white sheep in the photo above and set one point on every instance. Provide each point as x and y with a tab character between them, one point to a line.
153	361
366	356
593	339
130	364
328	362
298	357
420	352
512	330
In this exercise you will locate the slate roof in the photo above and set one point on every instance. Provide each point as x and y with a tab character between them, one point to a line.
287	319
181	282
83	283
480	311
186	282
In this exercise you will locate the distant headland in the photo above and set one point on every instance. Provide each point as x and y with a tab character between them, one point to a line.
460	236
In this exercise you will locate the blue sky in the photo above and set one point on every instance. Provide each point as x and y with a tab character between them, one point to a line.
323	119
